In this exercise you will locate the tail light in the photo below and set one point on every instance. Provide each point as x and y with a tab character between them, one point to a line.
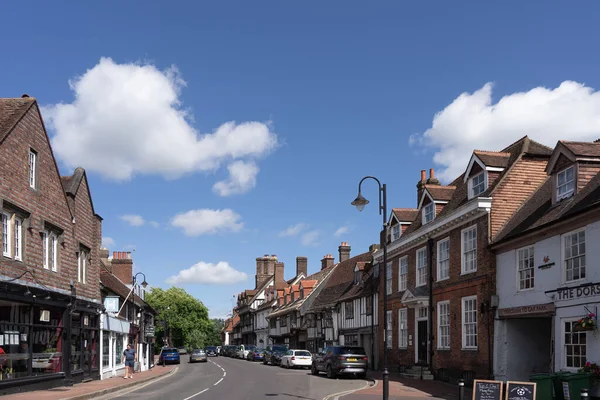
293	358
341	358
366	358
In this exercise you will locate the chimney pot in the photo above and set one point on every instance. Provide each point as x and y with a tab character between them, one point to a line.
423	175
431	173
344	251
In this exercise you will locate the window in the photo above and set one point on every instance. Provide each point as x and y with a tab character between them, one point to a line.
118	347
469	250
5	235
428	213
18	238
349	306
403	273
283	321
574	256
273	323
477	184
356	276
443	324
388	331
575	346
105	349
32	168
396	232
422	266
526	268
565	183
402	328
369	305
388	278
469	322
443	256
82	265
49	249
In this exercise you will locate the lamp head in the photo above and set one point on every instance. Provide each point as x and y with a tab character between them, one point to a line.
360	202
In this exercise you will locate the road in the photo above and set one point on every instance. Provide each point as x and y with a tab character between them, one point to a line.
231	379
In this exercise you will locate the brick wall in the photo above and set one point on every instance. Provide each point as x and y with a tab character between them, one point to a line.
46	204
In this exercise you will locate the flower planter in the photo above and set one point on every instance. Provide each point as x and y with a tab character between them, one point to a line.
584	327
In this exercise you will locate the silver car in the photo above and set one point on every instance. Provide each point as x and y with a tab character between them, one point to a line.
198	355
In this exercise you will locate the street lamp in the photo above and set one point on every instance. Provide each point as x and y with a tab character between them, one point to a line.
144	283
360	202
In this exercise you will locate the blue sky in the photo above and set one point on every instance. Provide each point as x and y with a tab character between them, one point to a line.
143	95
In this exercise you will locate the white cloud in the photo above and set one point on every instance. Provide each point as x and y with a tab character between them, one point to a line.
154	224
206	273
128	119
471	121
206	221
310	238
242	178
108	242
342	230
293	230
133	220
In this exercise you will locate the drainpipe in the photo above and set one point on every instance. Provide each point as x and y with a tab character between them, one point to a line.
431	306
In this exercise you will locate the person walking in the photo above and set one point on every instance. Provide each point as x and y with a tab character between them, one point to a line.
129	360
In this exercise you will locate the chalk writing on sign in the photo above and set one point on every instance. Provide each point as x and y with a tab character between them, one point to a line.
487	390
520	390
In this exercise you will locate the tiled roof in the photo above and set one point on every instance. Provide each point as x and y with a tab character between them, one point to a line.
443	193
493	159
405	214
11	111
340	280
308	284
583	149
365	287
538	211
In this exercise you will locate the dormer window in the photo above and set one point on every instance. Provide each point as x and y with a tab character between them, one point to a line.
396	232
477	185
428	213
565	183
356	275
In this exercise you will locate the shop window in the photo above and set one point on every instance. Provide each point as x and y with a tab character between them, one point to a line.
76	337
118	354
105	349
575	346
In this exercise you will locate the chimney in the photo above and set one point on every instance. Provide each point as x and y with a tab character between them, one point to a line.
103	253
302	266
327	261
279	270
122	266
421	185
374	247
432	180
344	250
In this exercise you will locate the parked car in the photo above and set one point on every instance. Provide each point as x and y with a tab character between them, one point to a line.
296	358
198	355
274	353
211	351
244	349
218	350
169	355
182	351
256	355
336	360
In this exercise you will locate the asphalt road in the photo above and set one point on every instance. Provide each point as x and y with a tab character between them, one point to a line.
231	379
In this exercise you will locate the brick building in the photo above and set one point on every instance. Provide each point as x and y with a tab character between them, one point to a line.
49	269
440	277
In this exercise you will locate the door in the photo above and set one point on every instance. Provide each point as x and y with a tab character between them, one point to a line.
422	343
366	343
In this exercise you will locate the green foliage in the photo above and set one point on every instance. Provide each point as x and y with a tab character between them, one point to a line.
186	318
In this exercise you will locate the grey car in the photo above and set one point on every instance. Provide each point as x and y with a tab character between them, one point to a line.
347	360
198	355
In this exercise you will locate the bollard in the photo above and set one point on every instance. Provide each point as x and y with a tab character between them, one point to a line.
461	389
584	394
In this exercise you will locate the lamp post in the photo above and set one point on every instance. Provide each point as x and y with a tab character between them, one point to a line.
144	283
360	202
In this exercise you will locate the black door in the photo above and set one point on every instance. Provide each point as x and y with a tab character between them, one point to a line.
422	343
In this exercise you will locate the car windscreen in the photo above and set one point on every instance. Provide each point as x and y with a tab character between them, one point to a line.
281	349
250	347
351	350
198	351
170	351
302	353
211	348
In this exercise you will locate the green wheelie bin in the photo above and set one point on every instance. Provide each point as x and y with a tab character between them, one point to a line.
544	386
573	383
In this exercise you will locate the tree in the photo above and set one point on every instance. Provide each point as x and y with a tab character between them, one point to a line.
185	317
214	337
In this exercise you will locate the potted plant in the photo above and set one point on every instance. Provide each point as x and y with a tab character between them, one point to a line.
594	370
586	323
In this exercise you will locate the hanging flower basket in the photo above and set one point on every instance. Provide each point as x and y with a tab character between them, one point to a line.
587	323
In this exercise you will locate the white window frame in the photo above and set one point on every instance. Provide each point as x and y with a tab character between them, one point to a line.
440	260
427	212
32	169
520	254
443	321
472	184
82	266
463	266
564	256
464	323
6	235
421	270
396	232
402	328
18	238
569	192
564	344
402	273
389	273
53	245
45	248
389	329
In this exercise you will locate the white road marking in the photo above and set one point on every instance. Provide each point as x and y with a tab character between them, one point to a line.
219	381
336	396
194	395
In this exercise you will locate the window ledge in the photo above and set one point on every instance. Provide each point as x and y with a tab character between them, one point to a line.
525	290
469	349
422	284
467	273
443	279
443	349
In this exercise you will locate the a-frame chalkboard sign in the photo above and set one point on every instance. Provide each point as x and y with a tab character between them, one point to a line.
487	390
520	390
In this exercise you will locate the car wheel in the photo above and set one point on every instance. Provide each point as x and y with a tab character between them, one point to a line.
330	372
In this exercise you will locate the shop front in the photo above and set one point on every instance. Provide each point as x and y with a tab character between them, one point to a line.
115	336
